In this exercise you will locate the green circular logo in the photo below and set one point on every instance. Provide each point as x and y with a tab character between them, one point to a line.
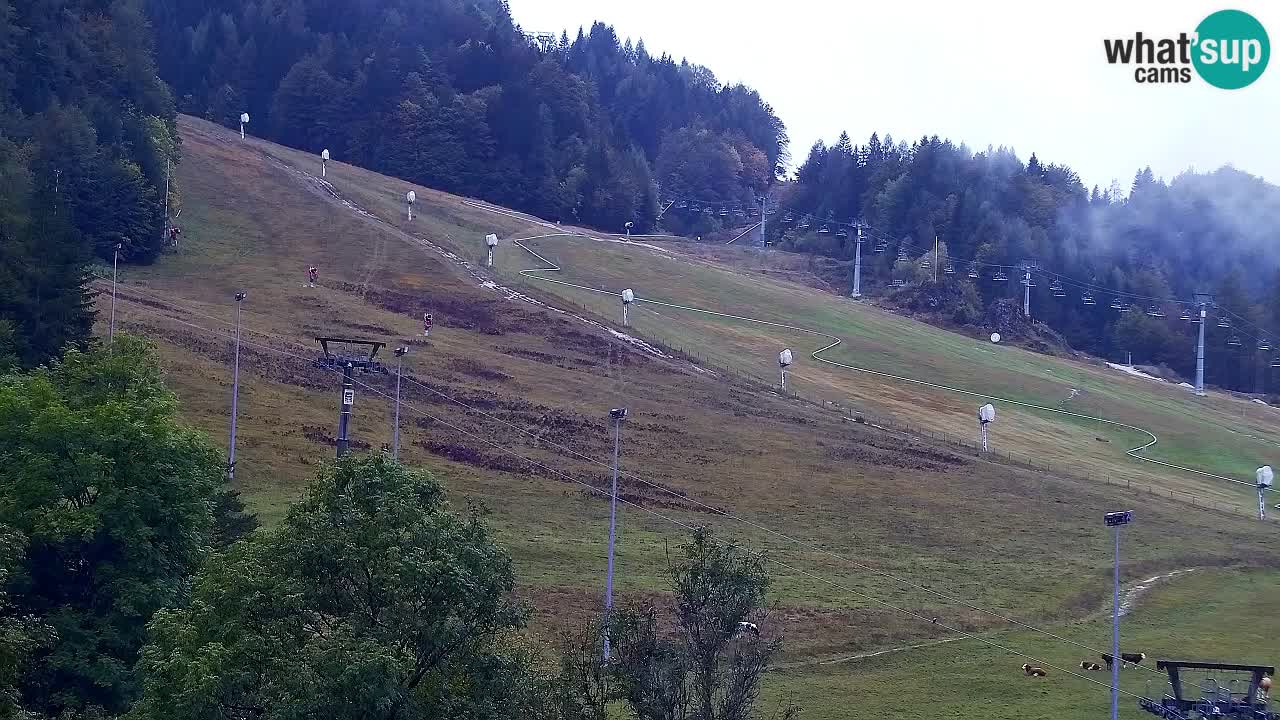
1232	49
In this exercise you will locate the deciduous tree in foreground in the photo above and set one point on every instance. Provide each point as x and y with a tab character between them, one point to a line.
372	600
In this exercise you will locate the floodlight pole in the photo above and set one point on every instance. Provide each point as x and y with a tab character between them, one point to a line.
111	329
1116	520
618	415
348	399
857	263
235	395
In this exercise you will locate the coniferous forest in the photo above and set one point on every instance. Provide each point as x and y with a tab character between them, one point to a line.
453	95
1137	252
589	129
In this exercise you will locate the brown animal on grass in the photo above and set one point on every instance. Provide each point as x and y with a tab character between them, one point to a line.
1033	671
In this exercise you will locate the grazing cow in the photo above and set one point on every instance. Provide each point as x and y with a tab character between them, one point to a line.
1033	671
745	627
1092	666
1131	658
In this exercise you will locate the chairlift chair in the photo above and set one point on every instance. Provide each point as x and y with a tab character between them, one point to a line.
898	282
1028	280
708	210
771	211
804	225
1117	304
682	205
1126	307
1234	341
882	245
788	218
973	272
925	264
724	212
1275	362
1186	316
949	269
1155	311
1000	276
824	230
842	234
1057	289
1087	298
1264	346
1224	322
903	256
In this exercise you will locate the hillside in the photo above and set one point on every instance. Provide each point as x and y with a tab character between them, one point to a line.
507	401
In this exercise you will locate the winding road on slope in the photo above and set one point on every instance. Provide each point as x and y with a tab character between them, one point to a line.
831	341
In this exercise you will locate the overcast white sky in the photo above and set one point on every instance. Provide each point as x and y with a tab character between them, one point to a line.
1031	75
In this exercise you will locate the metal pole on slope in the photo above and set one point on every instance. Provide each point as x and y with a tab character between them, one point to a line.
235	395
617	415
1202	302
857	262
395	433
764	207
111	330
936	259
164	236
1265	477
344	416
1116	520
